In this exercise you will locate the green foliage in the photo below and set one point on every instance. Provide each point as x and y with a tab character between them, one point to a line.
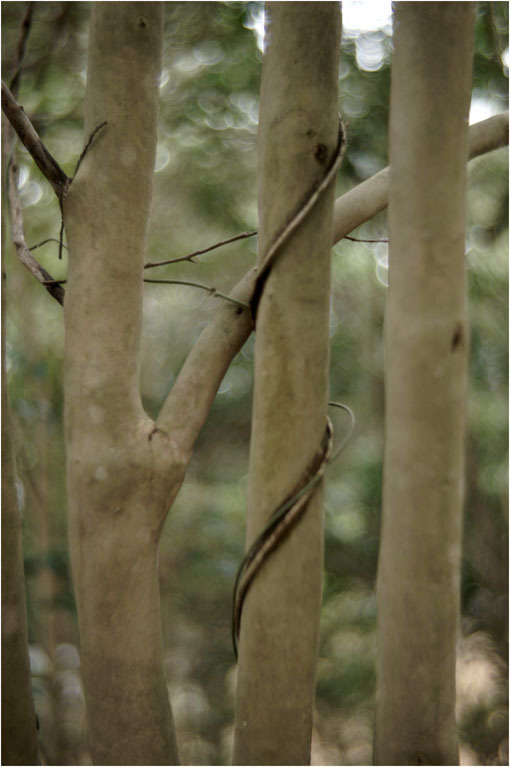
205	190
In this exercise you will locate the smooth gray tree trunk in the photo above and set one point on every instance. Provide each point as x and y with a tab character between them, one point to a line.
298	131
124	470
19	733
116	494
426	351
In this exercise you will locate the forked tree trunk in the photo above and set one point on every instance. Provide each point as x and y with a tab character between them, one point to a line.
426	337
123	469
298	131
121	472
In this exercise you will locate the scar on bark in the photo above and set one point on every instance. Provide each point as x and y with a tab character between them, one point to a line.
156	430
457	337
321	153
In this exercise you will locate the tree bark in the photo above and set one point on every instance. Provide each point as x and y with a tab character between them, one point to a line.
19	734
426	350
298	131
367	199
122	472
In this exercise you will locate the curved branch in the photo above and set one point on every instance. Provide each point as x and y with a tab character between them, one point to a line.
208	288
18	239
190	400
188	404
48	166
371	196
487	135
26	24
191	256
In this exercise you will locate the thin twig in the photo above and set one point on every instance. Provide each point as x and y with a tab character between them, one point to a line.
44	242
23	127
26	23
87	145
48	166
208	288
242	236
361	239
80	158
18	237
190	256
61	235
485	136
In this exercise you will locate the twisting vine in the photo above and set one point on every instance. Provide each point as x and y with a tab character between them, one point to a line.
289	512
297	219
285	518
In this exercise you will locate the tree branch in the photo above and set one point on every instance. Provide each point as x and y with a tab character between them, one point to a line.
191	256
487	135
190	400
188	404
15	212
371	196
48	166
209	288
26	23
18	238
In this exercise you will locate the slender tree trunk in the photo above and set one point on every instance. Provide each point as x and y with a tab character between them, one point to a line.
116	461
298	131
19	736
426	337
123	469
19	733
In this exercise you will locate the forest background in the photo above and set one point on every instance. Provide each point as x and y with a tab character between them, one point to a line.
205	191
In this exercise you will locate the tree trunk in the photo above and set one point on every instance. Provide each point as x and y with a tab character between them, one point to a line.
122	473
426	348
123	469
19	732
298	130
19	736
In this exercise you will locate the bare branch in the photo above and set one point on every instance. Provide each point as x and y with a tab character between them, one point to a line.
209	288
191	256
89	143
351	210
363	239
18	238
189	402
44	242
487	135
26	23
48	166
371	196
15	212
484	136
